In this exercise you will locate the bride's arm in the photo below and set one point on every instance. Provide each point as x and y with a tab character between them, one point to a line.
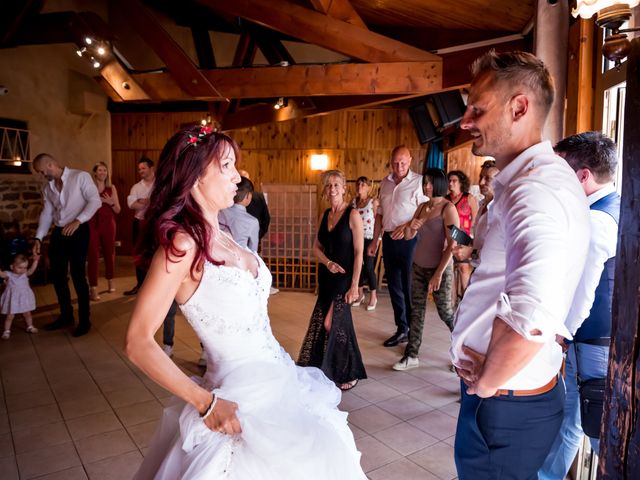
154	299
163	282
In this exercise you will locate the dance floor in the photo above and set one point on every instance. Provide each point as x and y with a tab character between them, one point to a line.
77	408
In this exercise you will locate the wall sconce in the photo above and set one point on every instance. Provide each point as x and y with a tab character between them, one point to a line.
611	14
319	161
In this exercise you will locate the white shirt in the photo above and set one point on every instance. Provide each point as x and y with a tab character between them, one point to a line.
78	200
604	240
531	261
139	190
398	202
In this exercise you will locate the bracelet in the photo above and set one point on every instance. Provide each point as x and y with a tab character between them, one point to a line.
329	263
211	407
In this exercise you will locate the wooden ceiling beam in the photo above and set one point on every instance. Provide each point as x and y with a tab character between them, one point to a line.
204	49
121	83
262	114
340	9
321	30
180	66
401	78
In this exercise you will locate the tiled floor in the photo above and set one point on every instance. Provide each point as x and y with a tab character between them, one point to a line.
76	408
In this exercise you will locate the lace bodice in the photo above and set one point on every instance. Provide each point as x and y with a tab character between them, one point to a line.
228	311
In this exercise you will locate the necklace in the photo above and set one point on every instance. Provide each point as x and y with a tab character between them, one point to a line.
334	217
226	243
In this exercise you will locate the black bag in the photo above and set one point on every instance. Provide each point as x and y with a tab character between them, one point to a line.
592	405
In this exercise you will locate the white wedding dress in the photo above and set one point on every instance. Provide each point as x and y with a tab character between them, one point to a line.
291	427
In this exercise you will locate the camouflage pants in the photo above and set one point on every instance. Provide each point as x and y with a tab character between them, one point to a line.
419	285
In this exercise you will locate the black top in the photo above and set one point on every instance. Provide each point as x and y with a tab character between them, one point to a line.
338	247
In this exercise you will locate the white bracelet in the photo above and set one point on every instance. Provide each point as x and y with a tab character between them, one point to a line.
211	407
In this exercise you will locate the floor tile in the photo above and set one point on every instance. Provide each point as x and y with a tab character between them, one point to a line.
6	445
402	469
83	406
143	432
47	460
403	382
374	391
34	417
8	469
139	413
75	473
23	401
104	445
90	425
405	438
129	396
372	419
375	454
42	436
115	468
405	407
434	396
437	459
436	423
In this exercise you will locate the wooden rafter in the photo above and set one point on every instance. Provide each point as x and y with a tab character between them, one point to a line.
340	9
204	49
402	78
122	83
321	30
262	114
181	67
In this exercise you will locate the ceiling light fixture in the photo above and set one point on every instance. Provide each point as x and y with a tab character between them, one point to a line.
280	103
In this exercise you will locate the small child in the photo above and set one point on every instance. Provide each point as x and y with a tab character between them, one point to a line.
18	296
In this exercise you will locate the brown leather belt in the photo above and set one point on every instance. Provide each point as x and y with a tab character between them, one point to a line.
528	393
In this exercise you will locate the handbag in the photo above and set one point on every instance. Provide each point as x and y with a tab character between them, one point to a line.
591	398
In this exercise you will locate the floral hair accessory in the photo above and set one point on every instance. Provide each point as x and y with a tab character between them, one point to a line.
196	139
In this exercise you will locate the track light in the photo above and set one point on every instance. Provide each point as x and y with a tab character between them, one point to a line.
88	40
280	103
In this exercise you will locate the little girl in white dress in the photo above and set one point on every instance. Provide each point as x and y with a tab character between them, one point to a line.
18	298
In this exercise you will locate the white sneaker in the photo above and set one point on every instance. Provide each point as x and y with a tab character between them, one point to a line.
273	291
406	363
168	350
203	359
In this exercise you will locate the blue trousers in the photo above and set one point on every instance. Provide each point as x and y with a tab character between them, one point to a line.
506	437
398	258
592	363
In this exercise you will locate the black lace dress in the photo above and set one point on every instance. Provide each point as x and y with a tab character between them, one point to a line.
335	352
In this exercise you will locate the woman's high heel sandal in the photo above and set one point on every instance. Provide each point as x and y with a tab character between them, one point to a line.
372	306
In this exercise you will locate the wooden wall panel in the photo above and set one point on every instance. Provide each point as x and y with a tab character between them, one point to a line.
463	159
356	141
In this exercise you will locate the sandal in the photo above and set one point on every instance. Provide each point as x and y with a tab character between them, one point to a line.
32	329
372	306
358	302
349	385
6	334
93	294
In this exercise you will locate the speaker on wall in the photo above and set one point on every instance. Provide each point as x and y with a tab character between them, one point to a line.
438	112
425	128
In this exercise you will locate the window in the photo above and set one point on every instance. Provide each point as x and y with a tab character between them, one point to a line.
15	154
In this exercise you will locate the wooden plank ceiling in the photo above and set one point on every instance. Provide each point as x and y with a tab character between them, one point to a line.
388	45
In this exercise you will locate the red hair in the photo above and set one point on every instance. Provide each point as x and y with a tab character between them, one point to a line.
172	208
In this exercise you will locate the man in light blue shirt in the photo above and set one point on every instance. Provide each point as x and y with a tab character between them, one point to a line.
243	227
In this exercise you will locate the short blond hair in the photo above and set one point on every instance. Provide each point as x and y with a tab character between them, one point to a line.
515	69
326	175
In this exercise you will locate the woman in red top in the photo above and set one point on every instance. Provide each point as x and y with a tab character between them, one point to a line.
467	207
102	228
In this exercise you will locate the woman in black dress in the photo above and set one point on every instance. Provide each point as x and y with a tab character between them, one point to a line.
330	343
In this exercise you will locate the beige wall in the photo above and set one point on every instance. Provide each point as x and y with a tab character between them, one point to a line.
46	84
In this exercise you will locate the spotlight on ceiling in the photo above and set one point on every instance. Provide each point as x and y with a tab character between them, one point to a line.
280	103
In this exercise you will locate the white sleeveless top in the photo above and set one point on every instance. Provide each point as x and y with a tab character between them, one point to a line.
368	217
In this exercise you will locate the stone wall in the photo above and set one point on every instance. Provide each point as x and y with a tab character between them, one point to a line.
20	205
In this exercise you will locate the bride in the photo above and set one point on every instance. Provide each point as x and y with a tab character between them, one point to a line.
254	415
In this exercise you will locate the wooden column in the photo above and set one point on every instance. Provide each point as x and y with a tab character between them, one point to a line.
620	434
551	43
580	82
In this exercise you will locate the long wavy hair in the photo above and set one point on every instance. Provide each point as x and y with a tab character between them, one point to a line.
172	208
107	181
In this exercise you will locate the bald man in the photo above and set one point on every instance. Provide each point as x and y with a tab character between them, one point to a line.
70	200
400	194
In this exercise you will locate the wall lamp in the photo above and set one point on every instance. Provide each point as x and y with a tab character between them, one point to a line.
611	14
319	161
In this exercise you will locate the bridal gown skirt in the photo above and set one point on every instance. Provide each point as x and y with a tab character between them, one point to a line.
291	429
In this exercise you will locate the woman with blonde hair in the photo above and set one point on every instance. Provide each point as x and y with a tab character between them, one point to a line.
330	343
102	230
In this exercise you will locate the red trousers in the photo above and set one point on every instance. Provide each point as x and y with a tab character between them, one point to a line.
102	228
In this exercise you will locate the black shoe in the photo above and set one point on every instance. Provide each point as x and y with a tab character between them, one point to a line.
395	339
81	330
58	323
133	291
